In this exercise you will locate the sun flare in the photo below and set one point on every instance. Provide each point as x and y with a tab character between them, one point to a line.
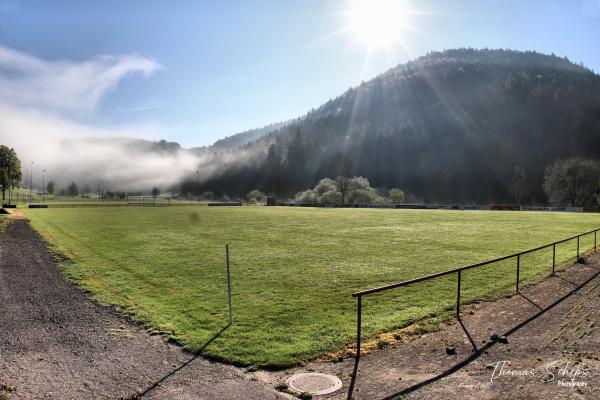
378	23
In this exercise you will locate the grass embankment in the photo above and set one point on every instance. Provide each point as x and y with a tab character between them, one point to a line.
293	269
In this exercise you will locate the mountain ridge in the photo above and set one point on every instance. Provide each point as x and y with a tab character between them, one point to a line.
448	126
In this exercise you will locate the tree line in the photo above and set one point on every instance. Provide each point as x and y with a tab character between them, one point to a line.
571	181
454	127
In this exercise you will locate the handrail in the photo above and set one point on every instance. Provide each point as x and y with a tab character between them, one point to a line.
455	270
359	295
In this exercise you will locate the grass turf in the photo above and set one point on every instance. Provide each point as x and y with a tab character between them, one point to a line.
293	269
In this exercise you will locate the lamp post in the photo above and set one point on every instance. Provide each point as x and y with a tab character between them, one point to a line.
43	187
30	182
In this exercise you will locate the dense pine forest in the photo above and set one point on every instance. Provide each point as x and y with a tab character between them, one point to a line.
451	126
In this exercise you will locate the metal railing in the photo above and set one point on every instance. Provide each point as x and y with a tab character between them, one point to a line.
458	271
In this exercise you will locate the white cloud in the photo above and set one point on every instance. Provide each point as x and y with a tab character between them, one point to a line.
66	85
38	100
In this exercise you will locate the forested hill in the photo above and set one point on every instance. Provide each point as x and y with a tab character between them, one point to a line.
242	138
450	127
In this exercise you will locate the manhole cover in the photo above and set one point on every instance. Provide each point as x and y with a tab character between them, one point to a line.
314	383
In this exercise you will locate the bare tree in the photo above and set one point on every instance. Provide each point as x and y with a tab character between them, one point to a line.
572	181
342	183
519	185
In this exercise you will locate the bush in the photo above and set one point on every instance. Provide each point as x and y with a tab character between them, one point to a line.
328	192
207	196
364	196
330	198
396	196
256	196
324	186
307	197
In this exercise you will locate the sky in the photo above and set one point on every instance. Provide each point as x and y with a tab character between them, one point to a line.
196	71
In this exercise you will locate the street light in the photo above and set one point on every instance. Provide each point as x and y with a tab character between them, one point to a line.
30	182
43	172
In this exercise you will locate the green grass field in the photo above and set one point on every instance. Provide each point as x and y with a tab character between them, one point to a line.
293	269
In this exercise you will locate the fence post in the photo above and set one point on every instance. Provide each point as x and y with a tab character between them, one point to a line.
595	232
553	258
577	259
458	295
228	283
358	324
518	270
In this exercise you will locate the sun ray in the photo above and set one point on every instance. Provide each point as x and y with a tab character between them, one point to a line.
379	23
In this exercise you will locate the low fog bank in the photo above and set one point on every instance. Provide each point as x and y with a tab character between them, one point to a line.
109	160
117	164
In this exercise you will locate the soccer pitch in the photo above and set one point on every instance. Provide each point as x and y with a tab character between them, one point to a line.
293	269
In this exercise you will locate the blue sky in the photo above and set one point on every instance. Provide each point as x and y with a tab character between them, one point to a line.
200	70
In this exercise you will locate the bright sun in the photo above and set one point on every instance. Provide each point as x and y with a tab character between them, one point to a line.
378	23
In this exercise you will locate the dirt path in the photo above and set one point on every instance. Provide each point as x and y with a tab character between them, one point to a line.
56	344
562	340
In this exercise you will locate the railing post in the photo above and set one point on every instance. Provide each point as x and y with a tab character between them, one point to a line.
358	335
458	295
228	284
518	270
553	258
358	324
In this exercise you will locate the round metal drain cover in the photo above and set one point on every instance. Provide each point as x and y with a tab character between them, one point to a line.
314	383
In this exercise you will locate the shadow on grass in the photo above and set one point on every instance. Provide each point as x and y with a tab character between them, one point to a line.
185	364
477	353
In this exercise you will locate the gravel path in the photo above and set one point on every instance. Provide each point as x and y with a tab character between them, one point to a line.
57	344
564	340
